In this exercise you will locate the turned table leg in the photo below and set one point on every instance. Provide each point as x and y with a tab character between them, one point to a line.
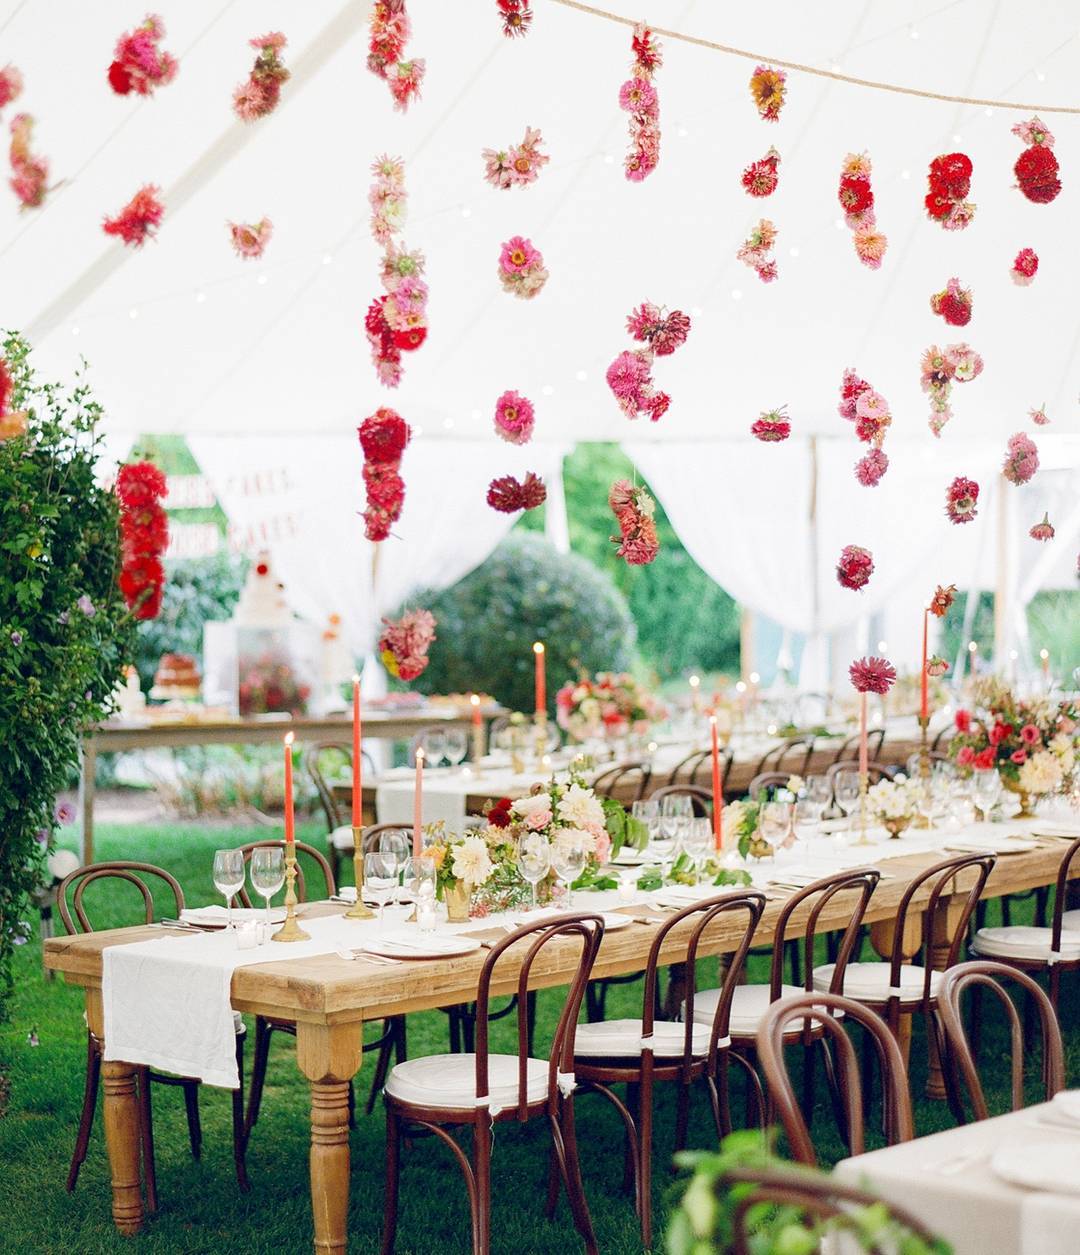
121	1113
329	1055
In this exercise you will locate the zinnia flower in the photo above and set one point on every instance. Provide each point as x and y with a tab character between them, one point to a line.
767	86
384	435
1021	459
961	498
936	666
870	469
140	218
942	599
855	194
1036	173
870	245
11	84
627	374
514	418
249	239
773	425
954	304
761	177
1024	266
638	95
407	642
516	17
872	675
1043	530
1039	417
855	566
508	496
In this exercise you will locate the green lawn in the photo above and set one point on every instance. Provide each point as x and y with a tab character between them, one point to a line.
201	1209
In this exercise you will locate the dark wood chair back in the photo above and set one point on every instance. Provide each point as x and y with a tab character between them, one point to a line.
316	756
946	734
820	1009
633	777
874	771
1065	874
696	768
133	873
586	927
961	1070
528	733
768	780
700	797
303	851
798	749
849	748
369	838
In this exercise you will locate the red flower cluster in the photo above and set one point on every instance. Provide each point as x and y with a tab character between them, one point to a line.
761	177
383	438
872	675
1024	266
943	598
390	31
140	65
404	644
144	537
773	425
961	498
1036	168
516	16
260	94
140	218
498	813
953	304
664	333
855	567
508	496
630	375
633	509
949	181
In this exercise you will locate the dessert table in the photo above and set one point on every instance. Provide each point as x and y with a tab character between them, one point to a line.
329	998
949	1180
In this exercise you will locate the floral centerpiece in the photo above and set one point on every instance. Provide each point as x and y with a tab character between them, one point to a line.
1031	742
893	803
612	704
741	817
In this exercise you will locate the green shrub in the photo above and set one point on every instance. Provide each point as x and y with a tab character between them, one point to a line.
525	592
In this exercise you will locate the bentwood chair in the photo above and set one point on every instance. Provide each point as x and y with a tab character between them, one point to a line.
138	875
390	1042
700	798
321	758
875	772
749	1003
442	1093
960	1069
792	756
849	747
828	1012
767	780
696	768
627	781
646	1051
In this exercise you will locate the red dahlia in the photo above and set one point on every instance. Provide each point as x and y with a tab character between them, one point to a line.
384	435
953	172
1036	172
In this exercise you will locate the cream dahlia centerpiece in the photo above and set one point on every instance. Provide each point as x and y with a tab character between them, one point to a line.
611	704
893	803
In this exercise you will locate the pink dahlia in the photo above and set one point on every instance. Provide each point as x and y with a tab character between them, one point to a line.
638	95
872	675
961	498
1043	530
514	418
870	469
773	425
627	374
855	567
1021	460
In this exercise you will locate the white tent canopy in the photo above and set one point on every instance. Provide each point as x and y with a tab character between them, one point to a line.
185	337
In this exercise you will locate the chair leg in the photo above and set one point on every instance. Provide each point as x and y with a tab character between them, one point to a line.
482	1136
191	1102
239	1134
836	1097
530	1018
809	1056
453	1019
575	1187
382	1069
86	1119
633	1105
644	1123
682	1116
393	1176
146	1137
259	1062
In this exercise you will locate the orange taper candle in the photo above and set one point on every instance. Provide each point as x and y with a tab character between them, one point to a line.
541	680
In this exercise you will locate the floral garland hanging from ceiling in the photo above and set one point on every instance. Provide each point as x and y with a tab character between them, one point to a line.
516	16
1036	168
404	643
29	173
756	251
869	411
11	85
1024	267
769	90
140	218
144	535
515	166
630	375
259	96
941	368
948	183
954	304
384	437
508	495
390	31
638	97
634	509
857	201
760	178
139	65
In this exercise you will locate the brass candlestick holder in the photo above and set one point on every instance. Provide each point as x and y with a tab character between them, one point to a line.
359	910
923	821
864	780
477	750
540	738
290	930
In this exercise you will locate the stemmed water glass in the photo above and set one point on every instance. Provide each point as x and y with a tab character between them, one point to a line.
434	744
986	789
568	861
673	808
394	843
808	814
533	860
228	877
698	842
456	745
819	792
846	791
420	877
267	873
648	812
380	878
774	823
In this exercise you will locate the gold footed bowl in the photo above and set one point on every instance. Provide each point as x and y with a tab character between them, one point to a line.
1027	806
894	827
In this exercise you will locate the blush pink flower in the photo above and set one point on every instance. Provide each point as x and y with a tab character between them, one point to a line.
514	418
936	666
870	469
1021	459
961	498
773	425
627	374
11	84
521	268
1043	530
871	404
1039	417
855	567
870	245
872	675
250	239
638	95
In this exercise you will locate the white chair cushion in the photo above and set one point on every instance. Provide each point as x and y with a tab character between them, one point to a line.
622	1038
1022	941
748	1005
869	982
450	1081
342	839
1070	921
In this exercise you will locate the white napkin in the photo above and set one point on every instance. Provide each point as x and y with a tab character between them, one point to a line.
217	916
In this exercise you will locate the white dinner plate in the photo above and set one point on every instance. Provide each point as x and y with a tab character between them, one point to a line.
1053	1166
613	922
418	946
216	916
1007	845
629	857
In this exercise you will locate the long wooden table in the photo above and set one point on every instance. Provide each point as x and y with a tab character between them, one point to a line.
330	999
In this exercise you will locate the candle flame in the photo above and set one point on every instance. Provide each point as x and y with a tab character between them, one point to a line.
694	681
420	755
289	737
712	720
1044	654
475	699
538	647
355	678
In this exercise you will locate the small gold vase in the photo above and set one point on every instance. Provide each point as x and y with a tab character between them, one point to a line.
894	827
1027	809
759	847
456	897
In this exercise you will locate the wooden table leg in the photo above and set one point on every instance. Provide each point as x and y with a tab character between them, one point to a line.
121	1113
86	798
329	1055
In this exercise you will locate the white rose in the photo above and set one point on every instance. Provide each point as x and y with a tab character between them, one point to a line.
62	863
580	808
470	861
567	836
532	805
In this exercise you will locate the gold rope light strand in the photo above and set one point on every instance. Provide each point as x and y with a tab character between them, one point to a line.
814	70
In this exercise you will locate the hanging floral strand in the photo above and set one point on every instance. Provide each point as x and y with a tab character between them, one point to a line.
769	90
140	218
139	65
514	418
634	509
250	239
516	16
855	567
869	411
954	304
1021	459
516	166
521	268
639	99
961	500
383	437
771	426
857	201
948	183
260	94
404	643
144	535
760	178
941	368
11	84
390	31
630	375
1036	168
757	248
1024	267
1043	530
507	495
29	173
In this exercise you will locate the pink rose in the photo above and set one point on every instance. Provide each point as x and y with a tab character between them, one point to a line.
537	820
1030	734
603	847
965	756
1018	756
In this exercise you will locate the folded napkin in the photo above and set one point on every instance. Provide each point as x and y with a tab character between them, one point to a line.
218	917
1052	828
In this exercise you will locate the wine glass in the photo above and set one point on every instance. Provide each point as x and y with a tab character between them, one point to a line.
457	745
380	878
267	873
674	807
986	789
774	822
808	814
394	843
698	841
819	792
228	877
568	861
533	860
434	744
846	791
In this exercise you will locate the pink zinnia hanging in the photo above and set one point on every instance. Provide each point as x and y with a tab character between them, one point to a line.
28	172
250	239
872	675
1043	530
404	643
1036	168
768	88
1021	459
756	251
140	218
630	375
516	17
761	177
1039	417
395	323
260	94
961	500
521	268
857	201
514	418
855	566
936	667
507	495
869	411
954	304
771	425
870	468
11	84
638	97
941	368
634	508
1024	266
140	65
383	437
515	166
390	31
948	183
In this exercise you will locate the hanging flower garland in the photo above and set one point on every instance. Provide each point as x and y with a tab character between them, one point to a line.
521	268
516	17
769	90
871	468
869	411
756	249
954	304
250	239
771	425
144	534
514	418
1024	266
1036	168
139	65
390	31
634	509
857	201
507	495
1021	459
941	368
397	322
949	181
1039	417
11	85
630	375
855	567
1043	530
260	94
943	598
140	218
404	643
961	500
639	99
29	173
761	177
387	198
516	166
384	437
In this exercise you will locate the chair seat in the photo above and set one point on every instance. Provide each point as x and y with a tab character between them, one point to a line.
1023	941
622	1039
450	1081
342	839
748	1005
1070	921
869	982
